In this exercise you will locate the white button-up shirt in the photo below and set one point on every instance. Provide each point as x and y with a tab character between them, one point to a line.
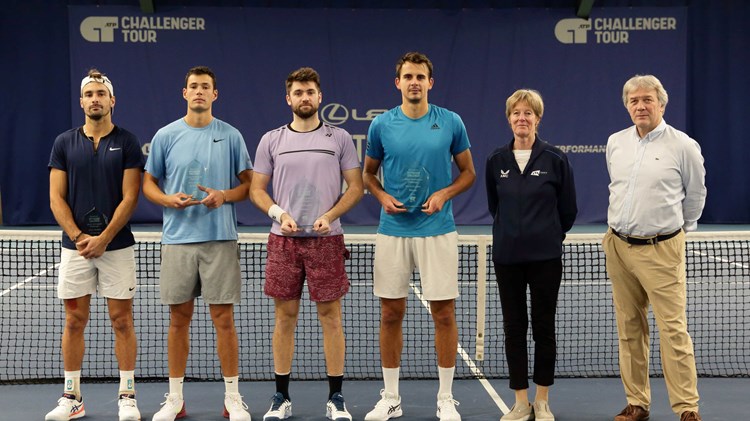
658	182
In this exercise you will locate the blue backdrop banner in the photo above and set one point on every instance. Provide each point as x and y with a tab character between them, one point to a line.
480	58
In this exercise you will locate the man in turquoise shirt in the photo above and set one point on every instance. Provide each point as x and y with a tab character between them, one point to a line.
414	143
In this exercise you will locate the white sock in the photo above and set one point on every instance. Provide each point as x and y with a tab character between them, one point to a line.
175	385
73	383
232	384
127	382
446	380
390	379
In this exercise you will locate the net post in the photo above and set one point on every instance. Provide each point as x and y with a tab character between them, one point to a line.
481	295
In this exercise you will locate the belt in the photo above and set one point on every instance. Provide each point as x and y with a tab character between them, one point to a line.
645	241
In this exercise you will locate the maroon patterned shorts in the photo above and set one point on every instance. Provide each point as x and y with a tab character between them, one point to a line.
319	259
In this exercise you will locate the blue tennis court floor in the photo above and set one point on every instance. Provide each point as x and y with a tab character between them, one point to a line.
722	399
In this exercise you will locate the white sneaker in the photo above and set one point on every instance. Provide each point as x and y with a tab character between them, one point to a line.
336	409
234	408
446	408
68	408
518	413
389	406
542	411
280	409
128	408
171	409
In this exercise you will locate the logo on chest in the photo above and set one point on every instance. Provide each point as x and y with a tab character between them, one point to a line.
504	173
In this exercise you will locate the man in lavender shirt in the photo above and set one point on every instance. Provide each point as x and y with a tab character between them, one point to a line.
306	160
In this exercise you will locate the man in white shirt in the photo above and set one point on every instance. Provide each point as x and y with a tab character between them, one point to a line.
656	194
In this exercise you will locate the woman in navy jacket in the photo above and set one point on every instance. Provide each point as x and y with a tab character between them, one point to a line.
531	197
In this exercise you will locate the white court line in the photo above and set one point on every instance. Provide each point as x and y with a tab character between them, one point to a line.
29	279
469	362
718	259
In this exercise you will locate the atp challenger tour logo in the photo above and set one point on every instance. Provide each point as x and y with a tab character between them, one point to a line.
135	29
609	30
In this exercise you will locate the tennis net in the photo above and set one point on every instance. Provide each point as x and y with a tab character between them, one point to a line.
33	318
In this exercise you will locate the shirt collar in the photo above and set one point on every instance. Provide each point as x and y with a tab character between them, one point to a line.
653	134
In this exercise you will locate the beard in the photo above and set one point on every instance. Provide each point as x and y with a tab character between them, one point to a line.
305	113
97	115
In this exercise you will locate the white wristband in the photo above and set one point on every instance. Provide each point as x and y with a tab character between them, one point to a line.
275	212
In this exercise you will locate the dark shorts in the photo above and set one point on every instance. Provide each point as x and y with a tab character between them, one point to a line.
319	259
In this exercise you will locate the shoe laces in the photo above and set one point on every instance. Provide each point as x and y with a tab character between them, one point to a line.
235	400
385	401
630	409
170	399
67	399
338	401
277	400
689	416
447	403
127	400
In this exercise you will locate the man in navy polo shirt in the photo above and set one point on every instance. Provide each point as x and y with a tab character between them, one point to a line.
95	175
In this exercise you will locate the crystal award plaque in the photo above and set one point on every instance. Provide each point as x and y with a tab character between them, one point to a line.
194	175
94	222
304	207
413	187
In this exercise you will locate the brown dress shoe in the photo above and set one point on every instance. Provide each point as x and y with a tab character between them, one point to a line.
690	416
633	413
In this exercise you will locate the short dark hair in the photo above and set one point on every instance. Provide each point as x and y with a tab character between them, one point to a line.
201	70
95	73
303	74
416	58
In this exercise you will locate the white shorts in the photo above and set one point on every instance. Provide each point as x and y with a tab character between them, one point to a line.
435	257
113	274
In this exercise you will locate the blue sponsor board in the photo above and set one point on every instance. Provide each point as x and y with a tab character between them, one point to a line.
480	58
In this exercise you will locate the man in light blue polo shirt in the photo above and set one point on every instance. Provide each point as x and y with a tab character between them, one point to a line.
199	159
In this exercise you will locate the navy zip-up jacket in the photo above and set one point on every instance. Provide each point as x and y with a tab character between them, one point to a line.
531	210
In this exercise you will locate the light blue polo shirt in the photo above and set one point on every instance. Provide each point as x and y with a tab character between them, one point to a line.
221	150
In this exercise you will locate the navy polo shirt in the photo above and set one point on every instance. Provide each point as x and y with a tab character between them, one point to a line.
95	176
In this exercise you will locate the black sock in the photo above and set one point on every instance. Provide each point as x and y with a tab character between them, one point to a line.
282	385
334	385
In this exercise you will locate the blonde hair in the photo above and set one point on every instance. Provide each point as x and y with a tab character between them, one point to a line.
529	96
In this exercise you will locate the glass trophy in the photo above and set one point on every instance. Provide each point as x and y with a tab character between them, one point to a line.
94	222
304	207
412	189
194	175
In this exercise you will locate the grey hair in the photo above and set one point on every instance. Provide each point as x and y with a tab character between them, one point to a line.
647	82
